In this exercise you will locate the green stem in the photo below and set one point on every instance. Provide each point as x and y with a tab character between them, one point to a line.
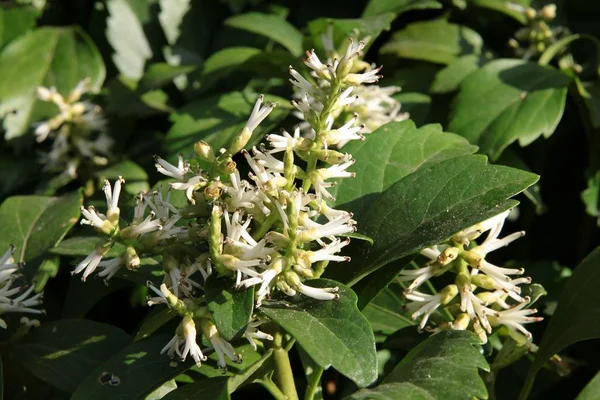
314	384
262	230
272	388
284	377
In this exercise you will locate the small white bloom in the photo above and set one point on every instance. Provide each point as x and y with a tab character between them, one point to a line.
253	333
220	345
318	293
88	265
514	318
259	113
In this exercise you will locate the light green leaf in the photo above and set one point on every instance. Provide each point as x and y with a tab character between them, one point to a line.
129	170
591	196
450	77
375	7
223	62
230	308
339	337
162	390
160	74
392	391
255	372
216	120
389	154
270	26
139	369
591	391
48	269
209	389
130	55
64	352
427	207
35	224
59	57
523	100
83	246
436	41
573	320
125	99
16	21
445	366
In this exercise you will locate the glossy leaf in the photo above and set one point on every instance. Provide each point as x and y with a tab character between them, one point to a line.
339	337
446	365
523	100
216	120
375	7
155	320
385	312
35	224
392	391
138	368
210	389
16	21
59	57
130	55
573	319
64	352
389	154
427	207
271	26
231	308
436	41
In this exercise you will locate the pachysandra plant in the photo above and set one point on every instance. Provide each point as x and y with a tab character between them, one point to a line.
276	228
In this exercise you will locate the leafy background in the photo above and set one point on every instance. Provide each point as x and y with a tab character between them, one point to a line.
190	70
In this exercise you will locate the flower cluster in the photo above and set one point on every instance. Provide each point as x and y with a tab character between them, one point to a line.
483	295
370	106
15	298
533	39
272	228
78	132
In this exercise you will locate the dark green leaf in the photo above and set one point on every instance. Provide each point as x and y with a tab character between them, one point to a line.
82	296
505	7
385	312
59	57
375	7
523	100
139	369
392	391
449	78
130	55
533	193
436	41
158	317
391	153
34	224
573	320
534	292
372	285
125	99
83	246
415	104
209	389
209	368
592	102
339	337
428	206
253	373
370	26
162	390
271	26
127	169
16	21
591	391
223	62
591	196
160	74
446	365
64	352
230	308
216	120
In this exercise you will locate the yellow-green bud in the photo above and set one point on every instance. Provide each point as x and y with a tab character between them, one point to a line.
447	256
530	13
131	258
484	281
462	280
548	13
278	239
448	294
461	322
292	278
204	150
240	141
472	258
212	191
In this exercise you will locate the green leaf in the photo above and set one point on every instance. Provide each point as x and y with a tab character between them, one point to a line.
591	391
523	100
591	197
34	224
157	317
450	77
209	389
161	74
64	352
16	21
255	372
534	192
391	153
573	320
592	102
210	369
417	105
130	55
162	390
505	7
371	26
375	7
126	168
436	41
125	99
138	368
392	391
385	311
83	246
231	309
59	57
216	120
81	297
371	286
222	63
270	26
48	269
339	336
429	206
445	366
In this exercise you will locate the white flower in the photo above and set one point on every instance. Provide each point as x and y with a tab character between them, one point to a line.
220	345
178	172
514	318
109	267
318	293
495	224
259	113
418	276
338	226
328	252
23	303
185	344
88	265
252	332
7	265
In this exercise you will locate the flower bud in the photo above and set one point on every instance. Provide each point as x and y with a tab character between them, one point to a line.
204	150
131	258
484	281
461	322
472	258
530	13
277	239
447	256
448	294
212	191
548	13
332	156
462	280
240	141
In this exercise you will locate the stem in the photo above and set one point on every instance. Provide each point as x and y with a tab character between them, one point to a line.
284	377
314	384
262	230
272	388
